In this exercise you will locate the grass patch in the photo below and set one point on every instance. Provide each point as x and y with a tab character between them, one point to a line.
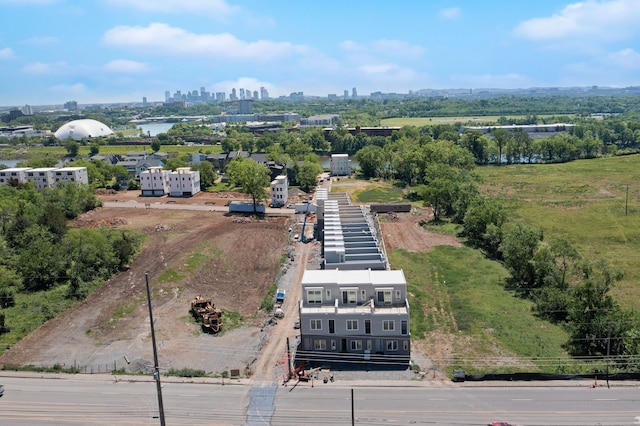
169	275
268	302
231	320
378	194
185	372
125	310
443	227
584	202
457	292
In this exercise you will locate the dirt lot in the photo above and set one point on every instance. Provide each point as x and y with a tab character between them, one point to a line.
238	260
403	230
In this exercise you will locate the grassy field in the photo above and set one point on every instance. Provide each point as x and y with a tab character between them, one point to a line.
427	121
584	202
59	151
457	294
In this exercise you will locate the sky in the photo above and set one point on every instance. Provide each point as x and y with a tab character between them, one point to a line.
101	51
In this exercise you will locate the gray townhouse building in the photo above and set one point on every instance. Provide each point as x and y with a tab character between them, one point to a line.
354	316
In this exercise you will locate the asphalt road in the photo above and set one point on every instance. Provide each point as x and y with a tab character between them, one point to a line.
100	400
133	204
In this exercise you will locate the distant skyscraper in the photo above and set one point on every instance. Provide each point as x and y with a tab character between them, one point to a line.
144	100
233	95
255	95
264	94
242	94
354	93
346	94
167	95
220	96
245	106
27	110
247	94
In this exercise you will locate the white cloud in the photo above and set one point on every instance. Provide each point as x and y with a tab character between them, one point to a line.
597	20
625	58
42	68
384	47
166	39
450	13
6	53
127	66
41	41
71	89
214	8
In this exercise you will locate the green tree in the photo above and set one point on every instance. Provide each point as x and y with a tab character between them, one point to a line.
251	177
371	160
155	145
94	149
72	148
482	224
307	175
40	263
501	138
208	175
519	245
593	314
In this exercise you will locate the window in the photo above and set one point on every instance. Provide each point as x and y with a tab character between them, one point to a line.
356	345
332	326
352	324
369	345
384	297
316	324
367	326
404	326
398	295
314	296
333	345
388	325
320	345
392	345
349	297
405	345
363	295
328	294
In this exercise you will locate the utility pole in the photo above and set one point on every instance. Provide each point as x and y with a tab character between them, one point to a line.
608	348
353	414
156	370
288	360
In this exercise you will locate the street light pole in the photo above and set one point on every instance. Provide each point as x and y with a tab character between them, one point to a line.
156	370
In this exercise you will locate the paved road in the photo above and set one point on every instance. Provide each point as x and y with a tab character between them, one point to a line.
99	400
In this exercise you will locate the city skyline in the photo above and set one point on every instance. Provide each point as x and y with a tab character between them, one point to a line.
110	51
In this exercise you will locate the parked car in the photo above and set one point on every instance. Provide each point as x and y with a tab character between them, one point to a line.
500	424
1	390
296	325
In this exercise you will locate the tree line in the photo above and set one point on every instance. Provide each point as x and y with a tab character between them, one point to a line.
40	251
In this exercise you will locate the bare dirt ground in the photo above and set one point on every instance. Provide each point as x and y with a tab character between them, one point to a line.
403	231
239	260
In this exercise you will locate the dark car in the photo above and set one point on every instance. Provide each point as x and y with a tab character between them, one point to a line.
1	390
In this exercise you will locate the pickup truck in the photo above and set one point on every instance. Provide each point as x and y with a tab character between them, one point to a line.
280	296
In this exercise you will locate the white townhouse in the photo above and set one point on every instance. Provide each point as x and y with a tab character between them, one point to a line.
77	175
154	181
44	177
279	191
340	165
184	182
355	316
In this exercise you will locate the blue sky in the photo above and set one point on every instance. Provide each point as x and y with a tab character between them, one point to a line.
53	51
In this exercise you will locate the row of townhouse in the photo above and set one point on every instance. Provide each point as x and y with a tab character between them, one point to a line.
354	309
182	182
45	177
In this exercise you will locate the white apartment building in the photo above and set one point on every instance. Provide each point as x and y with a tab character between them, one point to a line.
355	316
279	191
184	182
340	165
155	181
77	175
18	174
44	177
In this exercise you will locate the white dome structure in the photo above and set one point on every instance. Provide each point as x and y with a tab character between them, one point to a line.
83	129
